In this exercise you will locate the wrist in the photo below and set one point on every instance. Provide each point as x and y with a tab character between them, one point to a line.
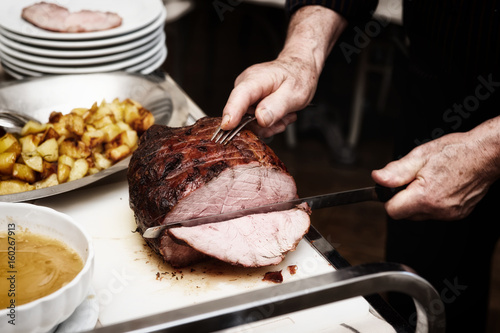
487	135
312	32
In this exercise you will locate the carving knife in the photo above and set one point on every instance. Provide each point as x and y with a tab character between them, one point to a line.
374	193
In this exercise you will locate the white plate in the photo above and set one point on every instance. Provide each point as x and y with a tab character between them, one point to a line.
77	53
135	15
18	70
150	65
86	44
12	72
151	68
109	67
81	61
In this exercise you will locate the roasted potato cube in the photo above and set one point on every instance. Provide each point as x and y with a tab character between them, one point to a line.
49	150
130	113
61	139
63	171
94	138
23	172
116	108
7	160
124	126
9	143
75	124
129	138
50	133
74	148
93	171
116	154
33	127
101	162
65	159
48	169
99	112
111	131
14	186
33	160
60	128
29	142
79	169
46	182
90	128
55	117
104	121
82	112
144	122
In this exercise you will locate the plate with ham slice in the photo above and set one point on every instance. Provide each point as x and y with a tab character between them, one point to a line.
77	19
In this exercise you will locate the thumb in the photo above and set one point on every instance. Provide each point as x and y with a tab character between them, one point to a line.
400	172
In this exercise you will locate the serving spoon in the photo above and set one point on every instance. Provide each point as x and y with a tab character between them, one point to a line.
13	121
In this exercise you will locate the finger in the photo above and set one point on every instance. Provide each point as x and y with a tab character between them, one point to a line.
278	127
400	172
239	101
246	93
407	204
277	105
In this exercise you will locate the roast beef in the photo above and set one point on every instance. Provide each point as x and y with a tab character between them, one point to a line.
179	173
56	18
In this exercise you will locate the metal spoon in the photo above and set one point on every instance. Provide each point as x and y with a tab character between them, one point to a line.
13	121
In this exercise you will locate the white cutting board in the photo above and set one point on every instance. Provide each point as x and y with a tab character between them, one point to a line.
131	281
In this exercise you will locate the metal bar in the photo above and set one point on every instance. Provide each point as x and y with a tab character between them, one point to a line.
295	296
378	304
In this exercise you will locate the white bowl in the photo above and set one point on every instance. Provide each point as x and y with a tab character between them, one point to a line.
45	313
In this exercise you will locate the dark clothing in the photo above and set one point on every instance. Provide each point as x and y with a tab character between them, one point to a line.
452	83
352	10
455	40
454	256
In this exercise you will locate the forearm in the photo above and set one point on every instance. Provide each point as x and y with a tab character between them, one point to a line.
487	137
312	32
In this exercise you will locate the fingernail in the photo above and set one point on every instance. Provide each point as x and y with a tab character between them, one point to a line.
267	116
225	120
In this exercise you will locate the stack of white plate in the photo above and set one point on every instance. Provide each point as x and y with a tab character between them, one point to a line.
138	45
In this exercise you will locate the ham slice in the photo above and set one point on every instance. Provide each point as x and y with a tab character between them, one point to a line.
179	173
52	17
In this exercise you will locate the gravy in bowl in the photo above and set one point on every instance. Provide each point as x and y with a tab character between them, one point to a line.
33	266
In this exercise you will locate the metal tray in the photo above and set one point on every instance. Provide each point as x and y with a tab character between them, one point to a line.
40	96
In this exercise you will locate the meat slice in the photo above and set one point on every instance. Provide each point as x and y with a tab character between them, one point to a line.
251	241
56	18
178	173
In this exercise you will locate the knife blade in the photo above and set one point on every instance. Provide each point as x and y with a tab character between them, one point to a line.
373	193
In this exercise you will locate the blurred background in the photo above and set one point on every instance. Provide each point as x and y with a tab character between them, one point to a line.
336	143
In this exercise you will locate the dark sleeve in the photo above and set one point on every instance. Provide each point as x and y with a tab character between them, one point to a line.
352	10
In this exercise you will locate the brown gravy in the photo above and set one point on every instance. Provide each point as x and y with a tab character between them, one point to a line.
33	266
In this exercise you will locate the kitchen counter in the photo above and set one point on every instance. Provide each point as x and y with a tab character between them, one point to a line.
133	288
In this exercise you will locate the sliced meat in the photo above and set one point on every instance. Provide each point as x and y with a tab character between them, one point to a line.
178	173
56	18
251	241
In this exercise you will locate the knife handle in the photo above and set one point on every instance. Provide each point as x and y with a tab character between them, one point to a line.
385	194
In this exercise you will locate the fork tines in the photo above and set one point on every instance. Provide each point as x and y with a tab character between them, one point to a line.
223	137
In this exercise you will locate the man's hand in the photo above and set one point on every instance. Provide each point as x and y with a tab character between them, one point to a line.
278	88
275	90
447	177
